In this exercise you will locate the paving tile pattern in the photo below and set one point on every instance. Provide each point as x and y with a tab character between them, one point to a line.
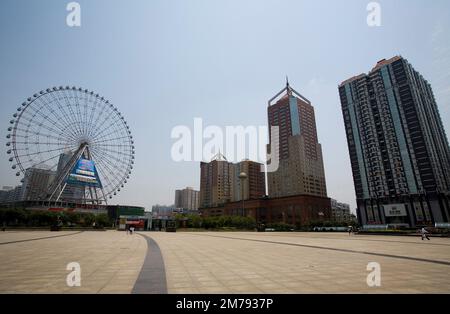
221	262
217	263
110	261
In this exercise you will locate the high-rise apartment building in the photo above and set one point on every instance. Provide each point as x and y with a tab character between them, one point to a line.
301	170
35	184
340	212
163	210
399	151
215	181
253	187
187	199
220	182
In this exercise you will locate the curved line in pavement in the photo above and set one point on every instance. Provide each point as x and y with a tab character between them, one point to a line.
417	259
354	238
42	238
152	277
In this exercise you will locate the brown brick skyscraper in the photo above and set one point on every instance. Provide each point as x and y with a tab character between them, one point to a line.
300	168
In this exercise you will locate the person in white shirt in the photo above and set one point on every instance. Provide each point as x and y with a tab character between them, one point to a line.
424	234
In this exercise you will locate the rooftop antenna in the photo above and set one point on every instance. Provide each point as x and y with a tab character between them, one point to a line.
219	157
289	91
288	87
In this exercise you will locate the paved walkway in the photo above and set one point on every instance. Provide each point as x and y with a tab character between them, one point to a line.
220	262
301	263
110	261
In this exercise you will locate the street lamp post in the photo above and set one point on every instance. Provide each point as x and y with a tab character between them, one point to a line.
242	178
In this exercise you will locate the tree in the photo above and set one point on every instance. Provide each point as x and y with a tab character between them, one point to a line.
102	220
87	219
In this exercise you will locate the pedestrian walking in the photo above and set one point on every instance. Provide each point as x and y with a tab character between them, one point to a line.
350	230
424	234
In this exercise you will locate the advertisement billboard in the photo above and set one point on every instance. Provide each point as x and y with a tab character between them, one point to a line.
84	173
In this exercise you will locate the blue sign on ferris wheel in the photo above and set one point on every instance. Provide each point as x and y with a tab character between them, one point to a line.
84	173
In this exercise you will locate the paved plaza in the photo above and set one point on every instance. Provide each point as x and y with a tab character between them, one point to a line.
220	262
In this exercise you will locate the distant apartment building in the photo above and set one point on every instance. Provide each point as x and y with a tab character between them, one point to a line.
220	182
5	193
163	210
399	151
9	194
187	199
301	170
253	187
215	181
16	195
340	212
36	183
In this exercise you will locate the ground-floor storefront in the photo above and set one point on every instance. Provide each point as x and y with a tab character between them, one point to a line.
405	211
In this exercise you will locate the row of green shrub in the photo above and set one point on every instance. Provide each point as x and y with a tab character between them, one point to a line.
222	222
37	218
246	223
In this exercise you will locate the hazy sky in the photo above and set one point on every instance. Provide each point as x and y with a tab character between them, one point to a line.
164	62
